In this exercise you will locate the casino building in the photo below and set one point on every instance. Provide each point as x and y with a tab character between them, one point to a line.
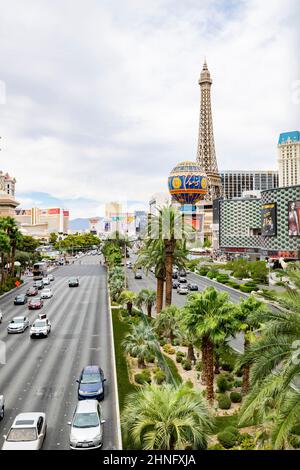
259	227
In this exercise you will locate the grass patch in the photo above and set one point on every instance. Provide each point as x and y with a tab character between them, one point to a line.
124	385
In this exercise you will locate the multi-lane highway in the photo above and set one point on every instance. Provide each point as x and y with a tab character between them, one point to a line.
40	374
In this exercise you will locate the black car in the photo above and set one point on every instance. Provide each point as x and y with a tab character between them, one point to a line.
91	383
193	287
174	275
175	284
182	279
20	299
74	282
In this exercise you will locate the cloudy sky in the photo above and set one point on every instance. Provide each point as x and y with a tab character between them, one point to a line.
99	99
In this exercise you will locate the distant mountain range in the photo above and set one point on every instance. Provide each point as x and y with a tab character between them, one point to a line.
79	224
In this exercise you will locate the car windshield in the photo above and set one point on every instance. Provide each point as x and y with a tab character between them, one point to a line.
20	297
18	320
21	435
86	420
39	323
90	378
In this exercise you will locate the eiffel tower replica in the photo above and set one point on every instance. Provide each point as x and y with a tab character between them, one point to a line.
206	154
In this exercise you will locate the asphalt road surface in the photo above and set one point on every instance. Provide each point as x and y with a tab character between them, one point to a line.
40	374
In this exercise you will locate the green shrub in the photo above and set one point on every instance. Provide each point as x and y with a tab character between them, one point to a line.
143	377
151	359
233	430
222	278
180	356
233	284
222	383
162	341
227	366
247	443
203	270
294	441
224	402
159	376
175	342
296	430
239	372
212	274
186	364
216	447
226	439
189	384
248	288
236	397
199	366
168	349
238	383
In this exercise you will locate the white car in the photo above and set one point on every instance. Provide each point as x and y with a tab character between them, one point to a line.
182	289
18	325
1	316
51	277
40	327
87	426
27	432
46	294
46	281
1	407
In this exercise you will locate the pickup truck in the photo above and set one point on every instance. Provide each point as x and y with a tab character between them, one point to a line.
1	407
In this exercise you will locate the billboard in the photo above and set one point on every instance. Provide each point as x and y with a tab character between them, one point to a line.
269	222
294	218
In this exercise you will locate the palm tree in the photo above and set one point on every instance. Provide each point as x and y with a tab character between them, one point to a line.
152	255
186	335
141	342
249	315
166	322
274	375
4	249
210	317
167	418
168	227
148	298
128	297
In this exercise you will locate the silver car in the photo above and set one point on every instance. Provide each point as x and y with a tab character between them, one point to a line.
46	293
27	432
87	426
18	325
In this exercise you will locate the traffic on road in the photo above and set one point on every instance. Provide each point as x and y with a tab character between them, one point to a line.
58	362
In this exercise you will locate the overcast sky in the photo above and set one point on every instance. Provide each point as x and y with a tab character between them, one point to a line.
102	97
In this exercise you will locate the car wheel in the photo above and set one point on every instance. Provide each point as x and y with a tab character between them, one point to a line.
2	413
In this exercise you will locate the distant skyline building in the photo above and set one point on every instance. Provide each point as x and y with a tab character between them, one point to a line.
289	158
158	200
206	153
41	222
236	182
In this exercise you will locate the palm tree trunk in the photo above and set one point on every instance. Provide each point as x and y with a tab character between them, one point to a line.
129	307
210	371
204	361
246	371
170	246
141	364
149	310
246	379
159	294
190	353
2	268
13	255
217	363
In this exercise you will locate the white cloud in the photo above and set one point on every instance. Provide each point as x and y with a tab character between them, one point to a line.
103	100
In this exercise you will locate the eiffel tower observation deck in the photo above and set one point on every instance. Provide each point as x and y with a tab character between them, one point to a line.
206	154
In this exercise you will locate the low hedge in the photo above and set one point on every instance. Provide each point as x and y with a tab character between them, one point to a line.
168	349
186	364
236	397
143	377
224	402
226	439
160	376
222	383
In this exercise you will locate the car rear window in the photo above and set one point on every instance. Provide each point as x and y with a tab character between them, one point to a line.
22	434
